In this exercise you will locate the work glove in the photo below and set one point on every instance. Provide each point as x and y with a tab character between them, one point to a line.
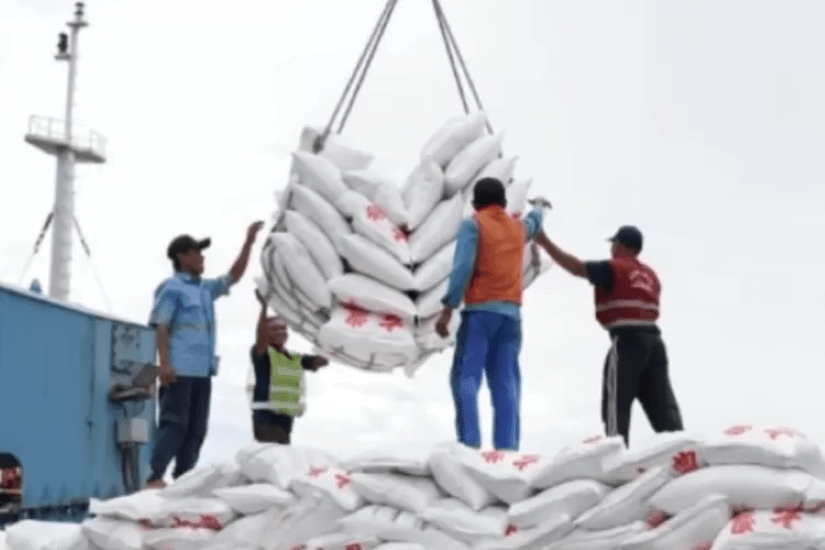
540	202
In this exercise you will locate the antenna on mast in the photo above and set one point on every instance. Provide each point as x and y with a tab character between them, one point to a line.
62	140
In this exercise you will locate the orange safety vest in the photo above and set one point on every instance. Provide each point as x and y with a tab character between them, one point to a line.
497	275
634	299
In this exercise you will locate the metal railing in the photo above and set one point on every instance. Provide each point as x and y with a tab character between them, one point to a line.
54	129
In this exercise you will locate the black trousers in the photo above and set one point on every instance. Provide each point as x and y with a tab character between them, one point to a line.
184	419
636	367
271	427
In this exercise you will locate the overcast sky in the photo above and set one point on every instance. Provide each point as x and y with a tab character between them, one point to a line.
703	122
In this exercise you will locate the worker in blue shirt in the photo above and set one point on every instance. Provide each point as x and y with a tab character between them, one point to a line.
183	316
487	277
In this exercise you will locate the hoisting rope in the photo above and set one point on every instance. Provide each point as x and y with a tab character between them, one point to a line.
36	249
95	273
359	73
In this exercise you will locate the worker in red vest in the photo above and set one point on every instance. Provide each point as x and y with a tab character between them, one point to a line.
627	305
487	275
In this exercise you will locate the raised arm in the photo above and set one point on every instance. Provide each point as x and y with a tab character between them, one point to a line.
568	262
239	266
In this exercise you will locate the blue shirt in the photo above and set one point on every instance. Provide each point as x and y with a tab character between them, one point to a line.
464	264
187	306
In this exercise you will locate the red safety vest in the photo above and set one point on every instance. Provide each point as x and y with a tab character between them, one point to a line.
634	299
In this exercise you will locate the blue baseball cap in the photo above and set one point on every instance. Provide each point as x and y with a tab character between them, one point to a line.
628	235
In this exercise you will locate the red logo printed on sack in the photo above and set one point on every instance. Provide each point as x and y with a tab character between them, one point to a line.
316	471
342	480
374	213
685	462
203	521
356	317
493	457
786	517
743	523
145	523
299	547
702	546
524	461
399	235
776	433
655	518
739	429
816	508
391	322
593	439
511	529
354	546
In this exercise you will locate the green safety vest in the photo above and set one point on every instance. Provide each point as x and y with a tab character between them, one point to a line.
286	385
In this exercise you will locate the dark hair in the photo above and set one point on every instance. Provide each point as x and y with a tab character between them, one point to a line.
487	192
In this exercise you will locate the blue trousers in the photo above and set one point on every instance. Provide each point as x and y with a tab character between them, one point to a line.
488	343
184	418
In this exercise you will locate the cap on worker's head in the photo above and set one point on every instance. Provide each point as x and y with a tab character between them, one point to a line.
489	191
185	243
628	235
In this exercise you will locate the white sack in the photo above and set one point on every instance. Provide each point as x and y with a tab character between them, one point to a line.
500	169
380	191
627	504
769	530
363	292
318	245
333	483
342	541
679	450
753	487
201	482
440	227
507	475
470	161
309	518
447	463
366	333
395	525
411	493
583	461
571	498
178	539
774	447
368	259
322	212
145	506
193	512
279	464
344	155
436	268
45	535
244	532
371	221
422	190
114	534
428	339
453	136
319	174
253	499
609	539
528	539
411	459
301	269
463	523
517	197
429	303
695	527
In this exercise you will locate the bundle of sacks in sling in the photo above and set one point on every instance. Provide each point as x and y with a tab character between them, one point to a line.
746	489
358	265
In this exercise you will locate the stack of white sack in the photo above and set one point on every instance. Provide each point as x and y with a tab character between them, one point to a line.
748	489
358	265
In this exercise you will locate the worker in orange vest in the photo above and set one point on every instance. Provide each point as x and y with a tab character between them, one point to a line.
627	296
487	276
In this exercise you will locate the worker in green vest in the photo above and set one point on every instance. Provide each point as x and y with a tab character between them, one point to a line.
278	392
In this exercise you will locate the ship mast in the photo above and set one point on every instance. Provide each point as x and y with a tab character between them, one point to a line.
62	140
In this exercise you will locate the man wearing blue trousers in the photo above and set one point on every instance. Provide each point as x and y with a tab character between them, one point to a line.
487	276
